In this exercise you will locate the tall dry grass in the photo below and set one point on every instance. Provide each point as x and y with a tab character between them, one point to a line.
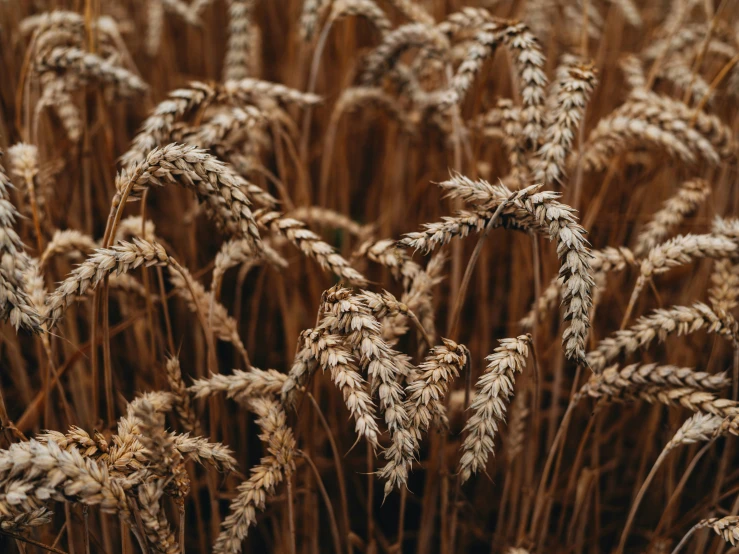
369	276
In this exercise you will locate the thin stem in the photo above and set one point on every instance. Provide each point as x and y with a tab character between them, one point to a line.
639	497
370	495
632	301
339	470
550	457
327	502
290	511
315	64
32	541
454	320
682	483
687	536
401	519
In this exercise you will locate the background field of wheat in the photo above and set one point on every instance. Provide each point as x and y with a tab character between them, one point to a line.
369	276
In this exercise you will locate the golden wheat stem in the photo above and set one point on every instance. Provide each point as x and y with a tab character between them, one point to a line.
632	300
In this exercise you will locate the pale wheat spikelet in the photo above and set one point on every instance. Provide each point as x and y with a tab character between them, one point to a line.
237	61
726	527
222	325
184	10
154	26
419	296
710	127
573	13
154	520
361	8
692	399
241	385
541	211
726	227
683	249
225	128
203	452
573	93
301	370
119	258
386	253
415	35
678	251
617	381
14	303
182	403
504	122
256	90
19	523
630	11
682	40
414	11
32	473
424	404
331	354
385	305
724	295
61	19
348	315
330	218
623	129
216	185
466	21
311	245
494	389
156	129
479	50
529	61
431	381
680	74
24	164
633	70
689	198
56	93
90	67
681	320
514	442
661	121
276	465
699	427
148	402
461	225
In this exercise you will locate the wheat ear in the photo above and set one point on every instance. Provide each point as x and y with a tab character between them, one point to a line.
494	389
252	494
689	198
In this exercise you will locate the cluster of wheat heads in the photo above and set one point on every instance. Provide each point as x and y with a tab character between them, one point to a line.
486	251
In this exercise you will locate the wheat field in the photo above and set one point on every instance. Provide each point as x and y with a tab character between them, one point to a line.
369	276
